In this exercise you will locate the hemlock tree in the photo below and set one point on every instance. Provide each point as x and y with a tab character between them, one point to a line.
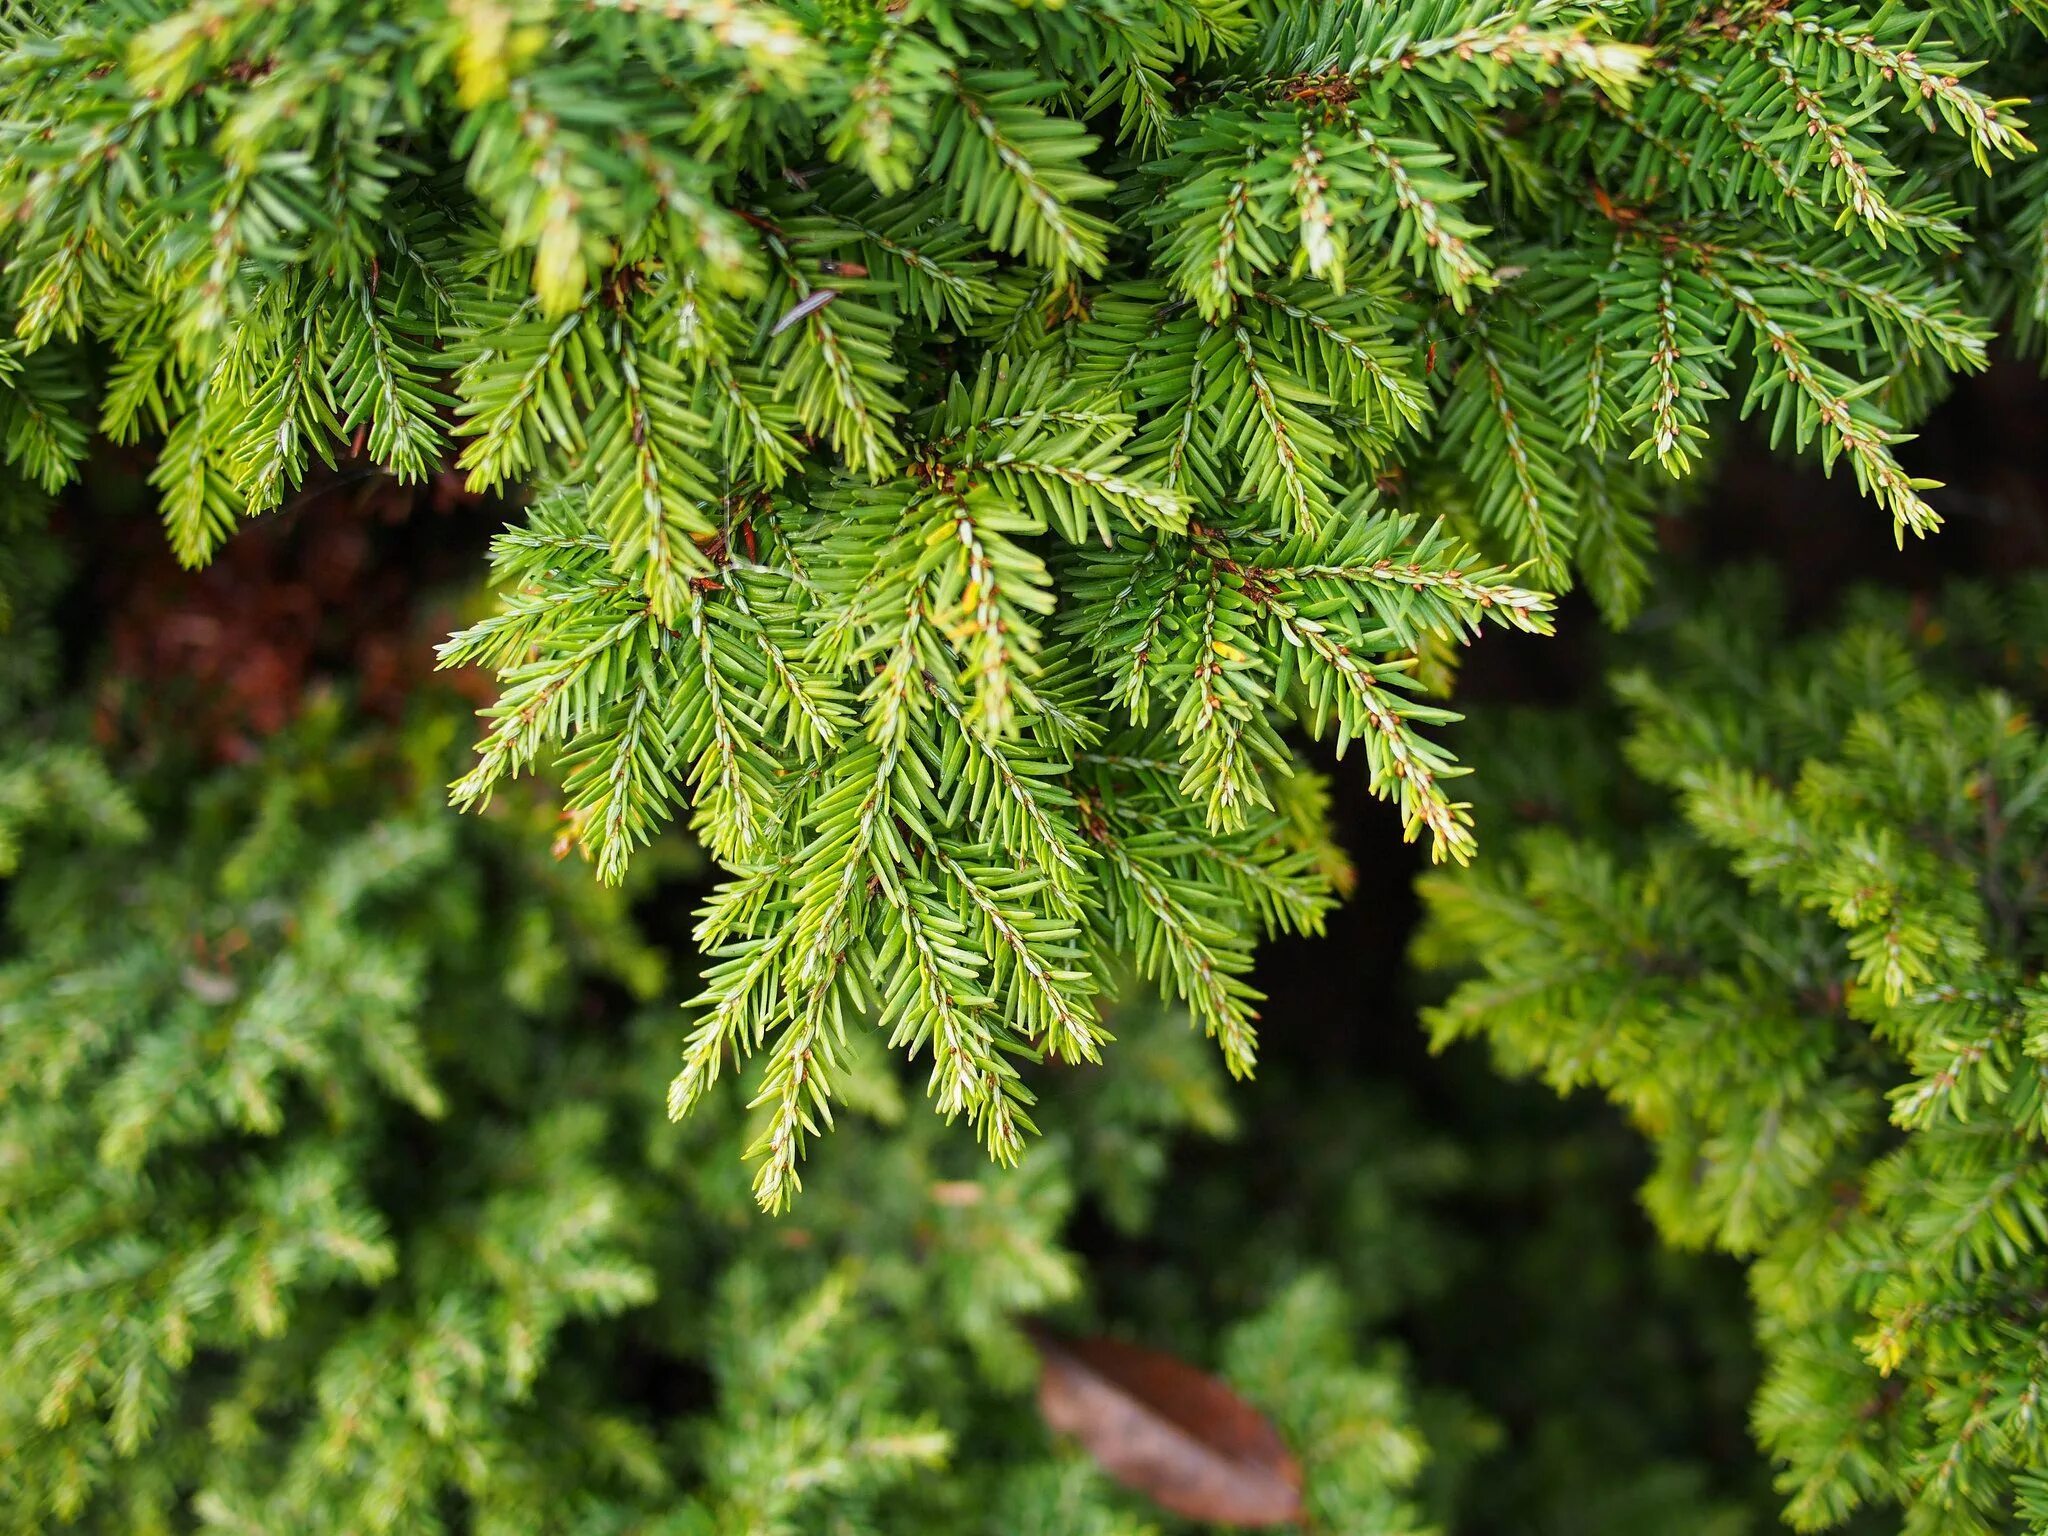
967	439
1807	961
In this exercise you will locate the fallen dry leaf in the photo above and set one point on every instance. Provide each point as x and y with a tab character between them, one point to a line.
1158	1425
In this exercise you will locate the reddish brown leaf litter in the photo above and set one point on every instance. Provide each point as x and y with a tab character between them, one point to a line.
1169	1431
224	657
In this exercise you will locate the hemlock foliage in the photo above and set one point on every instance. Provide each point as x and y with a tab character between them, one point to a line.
971	462
971	443
1796	930
337	1196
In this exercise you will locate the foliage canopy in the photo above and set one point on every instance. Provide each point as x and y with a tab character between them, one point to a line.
970	443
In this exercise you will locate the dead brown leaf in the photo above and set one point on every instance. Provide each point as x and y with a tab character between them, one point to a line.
1176	1434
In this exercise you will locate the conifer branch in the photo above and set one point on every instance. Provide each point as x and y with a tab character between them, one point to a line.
960	521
